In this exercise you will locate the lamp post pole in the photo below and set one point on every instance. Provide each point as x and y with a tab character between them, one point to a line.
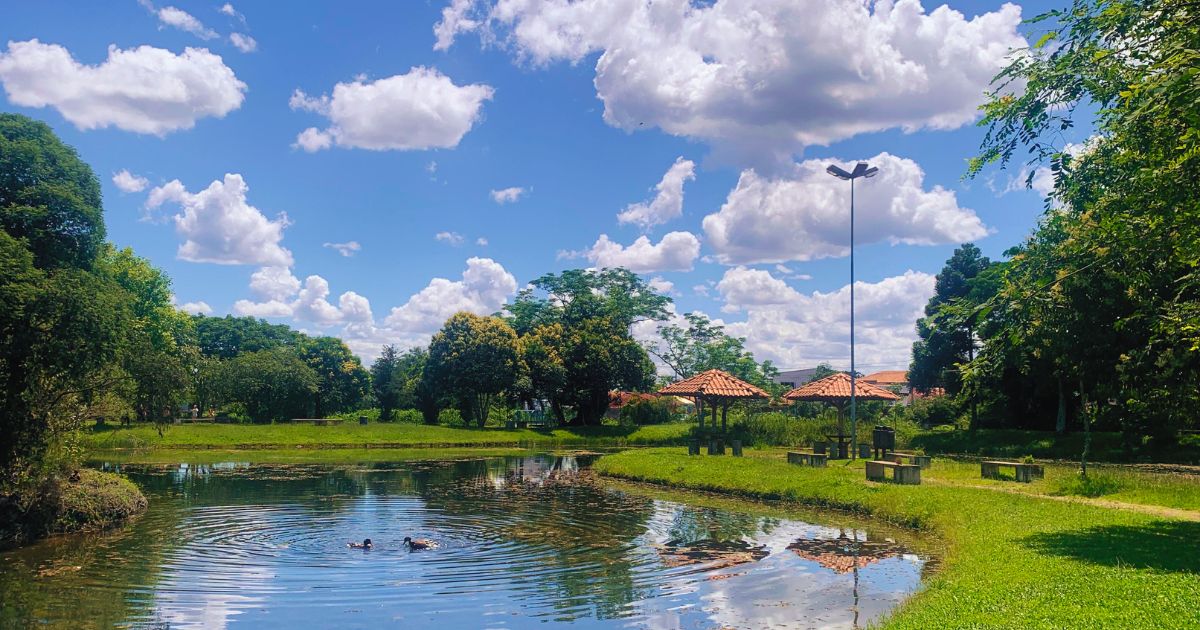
860	170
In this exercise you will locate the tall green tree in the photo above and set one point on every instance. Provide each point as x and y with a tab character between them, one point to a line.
274	384
946	336
49	198
384	383
1105	292
342	381
474	358
226	337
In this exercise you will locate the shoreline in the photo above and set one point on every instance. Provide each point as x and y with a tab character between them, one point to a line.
1010	560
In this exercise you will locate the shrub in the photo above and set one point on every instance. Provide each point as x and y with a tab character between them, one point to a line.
450	418
409	416
640	412
928	412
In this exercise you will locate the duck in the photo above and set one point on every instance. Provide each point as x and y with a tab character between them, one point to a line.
365	544
419	543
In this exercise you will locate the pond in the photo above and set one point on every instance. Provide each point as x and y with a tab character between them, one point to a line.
523	541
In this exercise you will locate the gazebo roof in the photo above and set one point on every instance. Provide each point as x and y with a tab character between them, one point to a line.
713	384
836	388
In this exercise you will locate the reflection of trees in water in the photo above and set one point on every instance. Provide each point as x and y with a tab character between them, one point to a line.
695	524
577	535
96	580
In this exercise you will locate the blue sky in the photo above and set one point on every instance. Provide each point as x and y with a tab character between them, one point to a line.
418	111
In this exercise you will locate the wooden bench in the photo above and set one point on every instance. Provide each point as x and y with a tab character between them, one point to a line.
924	461
816	460
908	474
1022	472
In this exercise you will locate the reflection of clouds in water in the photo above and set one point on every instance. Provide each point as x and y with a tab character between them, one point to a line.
181	604
776	591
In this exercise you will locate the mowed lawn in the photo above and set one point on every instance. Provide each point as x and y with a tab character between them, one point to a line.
1011	560
381	435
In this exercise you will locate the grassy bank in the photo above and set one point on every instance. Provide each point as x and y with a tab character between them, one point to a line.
1011	560
95	500
391	435
1106	447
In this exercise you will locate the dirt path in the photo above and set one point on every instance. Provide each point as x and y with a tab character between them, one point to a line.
1153	510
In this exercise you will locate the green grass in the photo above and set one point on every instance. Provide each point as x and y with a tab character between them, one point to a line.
1012	443
1010	560
391	435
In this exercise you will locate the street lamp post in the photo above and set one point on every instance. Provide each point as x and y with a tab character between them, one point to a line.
860	170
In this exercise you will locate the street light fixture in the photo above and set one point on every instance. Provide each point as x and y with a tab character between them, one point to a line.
860	170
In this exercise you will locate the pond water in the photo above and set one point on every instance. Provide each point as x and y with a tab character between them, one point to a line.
525	541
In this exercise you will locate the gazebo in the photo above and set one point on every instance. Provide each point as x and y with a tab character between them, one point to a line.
835	390
716	389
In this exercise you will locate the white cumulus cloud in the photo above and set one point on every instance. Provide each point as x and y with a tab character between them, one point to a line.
796	329
668	200
805	215
145	90
507	195
677	251
197	308
243	42
760	79
219	226
422	109
128	182
452	238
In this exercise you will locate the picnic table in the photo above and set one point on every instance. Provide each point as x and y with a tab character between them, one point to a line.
843	445
1023	472
907	474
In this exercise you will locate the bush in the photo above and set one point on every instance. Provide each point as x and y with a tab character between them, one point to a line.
450	418
235	412
928	412
639	412
409	416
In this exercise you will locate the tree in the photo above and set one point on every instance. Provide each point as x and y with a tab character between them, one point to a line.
383	382
48	196
600	356
579	294
342	382
704	345
273	384
152	357
946	335
474	358
228	336
1103	296
544	369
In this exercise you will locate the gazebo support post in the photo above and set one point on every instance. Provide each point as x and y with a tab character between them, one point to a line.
714	412
700	411
725	418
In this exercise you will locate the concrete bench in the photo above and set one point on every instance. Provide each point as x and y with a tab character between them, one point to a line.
816	460
1022	472
907	474
924	461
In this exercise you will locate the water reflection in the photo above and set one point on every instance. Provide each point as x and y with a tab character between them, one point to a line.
524	541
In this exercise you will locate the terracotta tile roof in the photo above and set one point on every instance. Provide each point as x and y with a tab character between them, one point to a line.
887	377
714	383
836	387
618	399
